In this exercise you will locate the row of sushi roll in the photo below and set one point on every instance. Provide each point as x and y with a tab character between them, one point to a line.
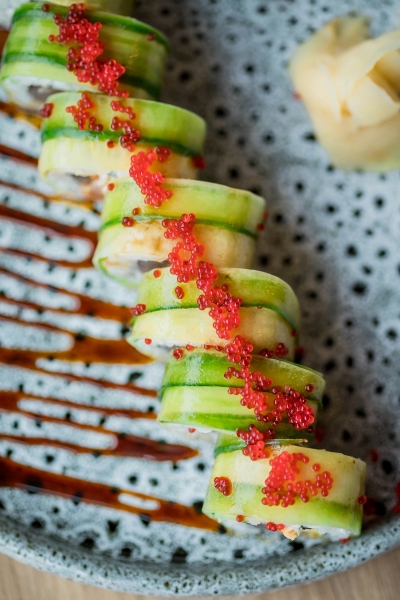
228	334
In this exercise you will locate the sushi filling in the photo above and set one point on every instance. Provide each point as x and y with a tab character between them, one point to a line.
129	270
31	92
81	186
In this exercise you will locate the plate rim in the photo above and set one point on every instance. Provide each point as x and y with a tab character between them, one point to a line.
50	554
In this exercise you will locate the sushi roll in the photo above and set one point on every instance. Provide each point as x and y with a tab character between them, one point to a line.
80	163
294	490
226	225
118	7
269	313
33	67
195	392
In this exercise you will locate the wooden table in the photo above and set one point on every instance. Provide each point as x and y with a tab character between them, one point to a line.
378	579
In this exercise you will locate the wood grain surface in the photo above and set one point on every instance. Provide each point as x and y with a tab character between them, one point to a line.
378	579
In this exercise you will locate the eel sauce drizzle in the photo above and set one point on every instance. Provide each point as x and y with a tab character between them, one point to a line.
83	348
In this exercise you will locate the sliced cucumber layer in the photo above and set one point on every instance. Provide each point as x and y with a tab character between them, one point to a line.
125	253
256	289
80	164
212	204
226	225
264	328
33	67
212	407
338	515
117	7
269	314
207	368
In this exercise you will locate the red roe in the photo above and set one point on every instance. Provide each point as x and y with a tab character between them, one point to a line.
47	109
150	184
288	403
138	310
177	353
255	442
274	526
82	116
396	509
282	486
362	499
136	211
148	341
111	187
319	433
179	292
223	485
163	153
374	456
128	222
84	57
157	273
281	350
398	491
240	518
118	106
130	135
199	162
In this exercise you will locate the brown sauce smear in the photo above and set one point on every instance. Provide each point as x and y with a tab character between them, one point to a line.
51	228
87	206
84	306
88	350
29	479
18	155
16	358
47	225
10	401
120	444
13	111
85	348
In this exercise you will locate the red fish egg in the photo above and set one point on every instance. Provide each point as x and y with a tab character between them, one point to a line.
128	222
223	485
177	353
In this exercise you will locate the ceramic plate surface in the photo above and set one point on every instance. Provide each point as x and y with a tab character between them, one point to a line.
332	235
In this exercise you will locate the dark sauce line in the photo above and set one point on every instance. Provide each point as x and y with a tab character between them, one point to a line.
3	37
15	358
83	264
9	400
13	111
51	227
86	206
90	307
18	155
37	258
85	348
18	476
89	350
120	444
128	447
18	188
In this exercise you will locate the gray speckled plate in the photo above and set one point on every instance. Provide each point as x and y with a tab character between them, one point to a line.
332	235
